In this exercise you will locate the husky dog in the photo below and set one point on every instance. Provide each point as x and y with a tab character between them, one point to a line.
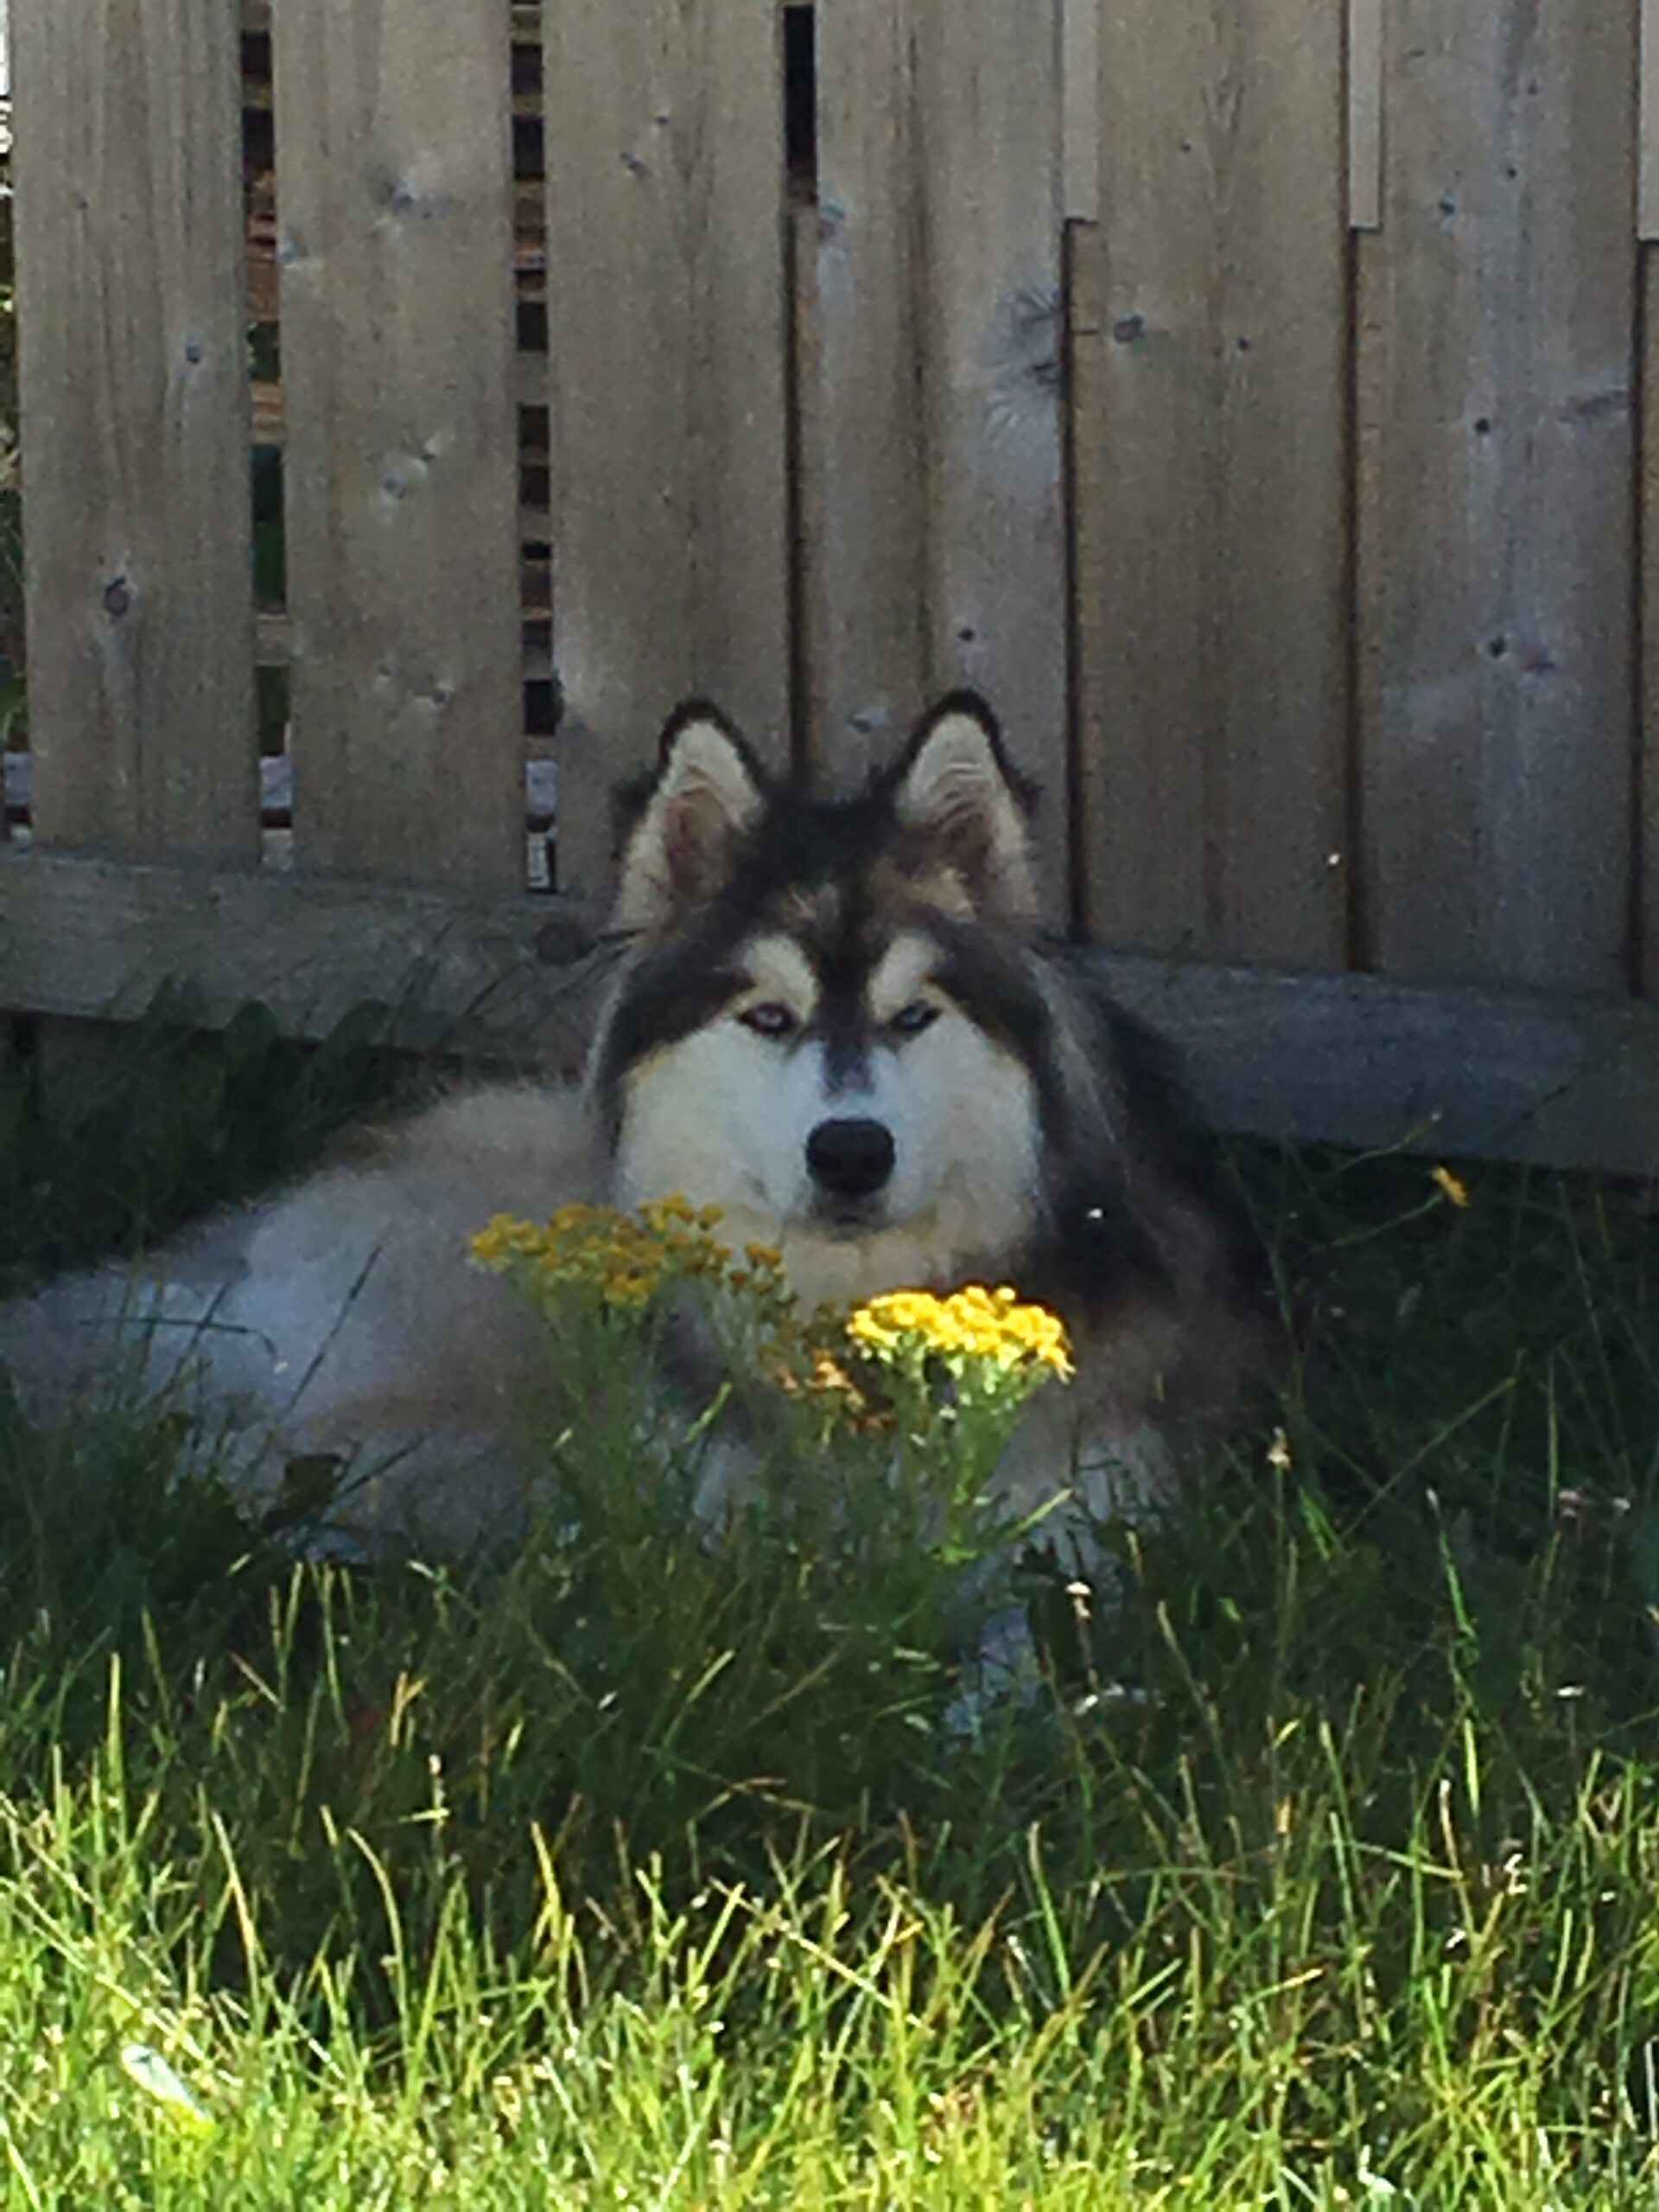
835	1020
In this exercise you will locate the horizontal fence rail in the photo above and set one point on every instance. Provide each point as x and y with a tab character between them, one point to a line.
1247	398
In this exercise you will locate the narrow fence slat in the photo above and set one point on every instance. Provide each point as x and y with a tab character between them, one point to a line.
133	369
1646	190
395	225
1646	977
1364	114
1209	329
937	409
668	315
1496	318
989	97
1080	108
868	561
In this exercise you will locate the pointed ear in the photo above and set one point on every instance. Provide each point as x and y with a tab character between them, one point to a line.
708	791
956	790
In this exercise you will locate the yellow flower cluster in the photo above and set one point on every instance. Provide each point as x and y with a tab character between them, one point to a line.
623	1263
623	1259
1451	1187
988	1324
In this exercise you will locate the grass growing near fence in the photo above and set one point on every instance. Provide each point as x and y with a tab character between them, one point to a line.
629	1872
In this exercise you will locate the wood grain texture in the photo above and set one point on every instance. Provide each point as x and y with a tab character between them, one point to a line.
942	559
809	607
1080	109
1647	213
1646	903
1497	322
988	97
401	479
668	305
447	972
1353	1059
866	463
135	423
1364	114
1452	1070
1209	327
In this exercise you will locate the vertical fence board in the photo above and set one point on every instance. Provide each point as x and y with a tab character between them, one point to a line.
1495	538
134	392
989	101
1209	328
1647	208
396	242
1080	109
668	318
868	663
1646	977
942	559
1365	113
809	605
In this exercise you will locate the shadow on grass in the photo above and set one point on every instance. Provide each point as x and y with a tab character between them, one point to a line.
1362	1740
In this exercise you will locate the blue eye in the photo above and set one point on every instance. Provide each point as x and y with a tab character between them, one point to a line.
769	1019
911	1019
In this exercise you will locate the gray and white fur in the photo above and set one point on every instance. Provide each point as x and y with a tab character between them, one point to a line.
839	1021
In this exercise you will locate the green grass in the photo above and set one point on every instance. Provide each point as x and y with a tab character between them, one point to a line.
628	1871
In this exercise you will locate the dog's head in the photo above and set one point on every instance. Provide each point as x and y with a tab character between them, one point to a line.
825	1024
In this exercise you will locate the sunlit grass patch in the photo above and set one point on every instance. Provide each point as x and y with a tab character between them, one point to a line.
639	1869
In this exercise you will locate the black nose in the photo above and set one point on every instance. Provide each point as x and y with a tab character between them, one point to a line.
851	1159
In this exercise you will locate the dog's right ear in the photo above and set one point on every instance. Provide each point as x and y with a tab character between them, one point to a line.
956	790
690	820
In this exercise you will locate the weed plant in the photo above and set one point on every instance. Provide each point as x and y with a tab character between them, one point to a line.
637	1868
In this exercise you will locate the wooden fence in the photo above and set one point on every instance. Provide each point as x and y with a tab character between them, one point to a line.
1245	394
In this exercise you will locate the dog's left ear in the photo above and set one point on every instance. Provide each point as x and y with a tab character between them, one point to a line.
691	818
956	789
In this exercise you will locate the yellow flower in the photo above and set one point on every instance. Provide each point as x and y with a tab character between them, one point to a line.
622	1259
1453	1185
987	1325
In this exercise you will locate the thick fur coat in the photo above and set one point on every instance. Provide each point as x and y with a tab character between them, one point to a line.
838	1021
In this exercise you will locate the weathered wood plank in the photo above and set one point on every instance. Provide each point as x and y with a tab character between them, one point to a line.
401	471
669	325
451	972
868	564
1451	1069
1210	316
988	95
1080	109
135	423
809	610
937	401
523	16
1364	114
1647	782
1647	210
1496	318
1352	1060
